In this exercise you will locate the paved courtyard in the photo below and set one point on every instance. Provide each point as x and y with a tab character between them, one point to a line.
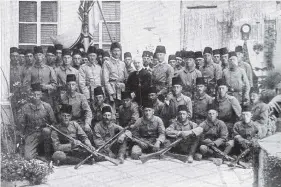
154	173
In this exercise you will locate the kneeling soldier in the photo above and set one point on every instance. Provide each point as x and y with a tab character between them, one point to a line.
105	130
186	129
149	131
67	152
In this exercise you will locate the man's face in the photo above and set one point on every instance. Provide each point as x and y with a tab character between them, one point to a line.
217	58
254	97
99	99
106	58
92	57
67	59
39	57
177	89
138	64
161	57
128	60
77	60
182	116
179	61
59	53
199	62
224	59
146	61
212	115
107	116
172	63
189	63
152	96
200	89
29	58
22	58
36	96
116	53
207	57
14	57
65	118
148	113
127	102
71	86
233	62
155	62
85	60
222	90
51	58
246	117
239	56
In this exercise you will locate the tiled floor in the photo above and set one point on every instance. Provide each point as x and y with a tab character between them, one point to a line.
156	173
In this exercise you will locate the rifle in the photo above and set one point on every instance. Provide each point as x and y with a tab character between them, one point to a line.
94	152
238	162
160	153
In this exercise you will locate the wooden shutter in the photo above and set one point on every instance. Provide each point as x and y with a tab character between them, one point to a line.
48	30
111	10
114	30
27	11
49	11
27	33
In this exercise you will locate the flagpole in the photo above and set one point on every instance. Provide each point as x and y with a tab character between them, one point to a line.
104	21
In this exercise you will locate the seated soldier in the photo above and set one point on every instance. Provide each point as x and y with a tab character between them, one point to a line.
215	133
105	130
67	152
186	129
150	129
97	106
245	132
32	120
157	104
81	111
128	111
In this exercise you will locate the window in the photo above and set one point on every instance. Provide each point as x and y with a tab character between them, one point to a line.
38	20
111	12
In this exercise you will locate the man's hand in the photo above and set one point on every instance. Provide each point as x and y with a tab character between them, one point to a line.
156	146
121	138
128	134
87	128
141	144
75	143
185	134
208	142
133	95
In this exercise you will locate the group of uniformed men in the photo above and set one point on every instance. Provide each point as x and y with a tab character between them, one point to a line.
91	95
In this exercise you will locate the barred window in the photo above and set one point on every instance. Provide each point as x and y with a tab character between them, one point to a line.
38	20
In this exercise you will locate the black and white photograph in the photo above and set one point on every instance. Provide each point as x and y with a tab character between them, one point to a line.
140	93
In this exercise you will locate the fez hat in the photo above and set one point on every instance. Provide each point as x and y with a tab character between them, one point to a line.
231	54
189	54
84	55
239	48
14	50
254	90
106	54
221	82
198	54
115	45
223	51
127	54
125	95
172	57
80	45
152	89
160	49
51	49
98	91
36	87
208	50
178	54
58	47
176	81
150	54
76	52
145	54
38	49
182	108
66	52
246	108
92	49
106	109
66	108
100	52
28	51
200	81
21	51
216	52
70	77
147	104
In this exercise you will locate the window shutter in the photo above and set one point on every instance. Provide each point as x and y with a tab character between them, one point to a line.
27	11
48	30
111	10
114	30
49	11
27	33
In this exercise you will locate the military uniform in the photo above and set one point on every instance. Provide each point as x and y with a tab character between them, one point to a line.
261	117
211	71
128	115
188	78
249	72
201	106
62	72
158	108
97	113
162	75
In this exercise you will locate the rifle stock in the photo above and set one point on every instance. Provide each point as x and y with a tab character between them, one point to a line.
219	152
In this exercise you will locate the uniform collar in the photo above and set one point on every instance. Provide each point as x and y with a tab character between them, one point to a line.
72	96
114	60
201	97
64	68
215	123
179	98
185	123
41	65
36	107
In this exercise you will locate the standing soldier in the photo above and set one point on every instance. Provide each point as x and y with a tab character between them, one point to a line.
179	60
224	58
162	73
199	60
210	70
129	63
237	79
21	57
217	56
66	68
90	74
114	75
51	57
76	59
157	104
32	120
106	56
100	56
244	65
81	111
59	48
172	61
202	101
29	62
15	68
139	81
189	74
146	61
128	111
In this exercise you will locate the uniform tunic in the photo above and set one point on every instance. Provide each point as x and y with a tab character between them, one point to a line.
128	115
261	117
158	108
97	113
248	69
200	107
130	68
62	72
188	79
162	75
246	131
211	71
89	78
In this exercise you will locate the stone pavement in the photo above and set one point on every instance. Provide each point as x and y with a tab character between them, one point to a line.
154	173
